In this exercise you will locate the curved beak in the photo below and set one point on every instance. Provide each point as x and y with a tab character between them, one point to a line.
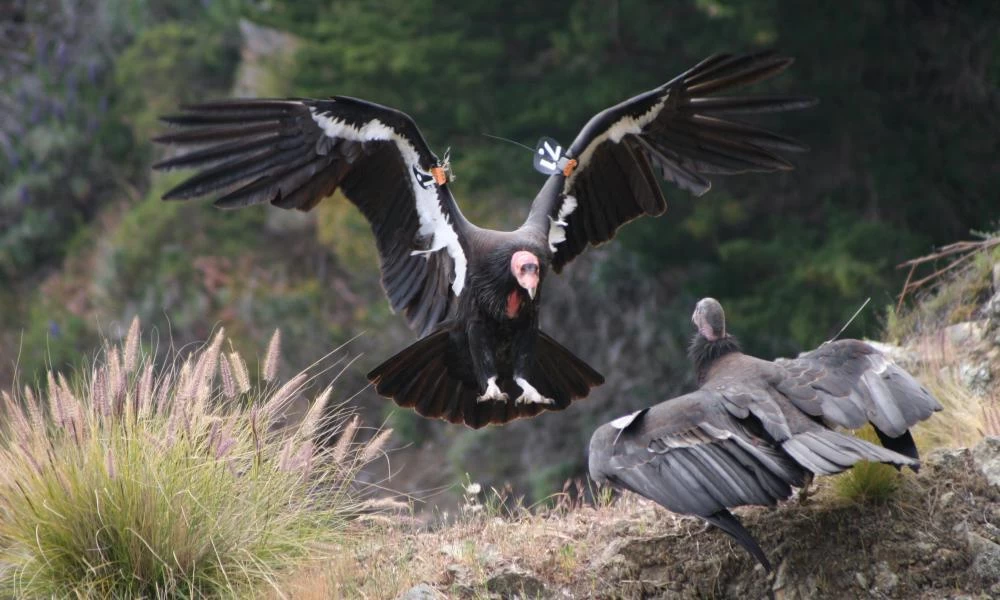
529	281
524	266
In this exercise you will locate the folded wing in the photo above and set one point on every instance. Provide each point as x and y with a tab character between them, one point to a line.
711	450
849	383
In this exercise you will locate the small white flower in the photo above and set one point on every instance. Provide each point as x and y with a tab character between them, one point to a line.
473	489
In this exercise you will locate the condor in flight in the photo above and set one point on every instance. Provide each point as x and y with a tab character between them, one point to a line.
473	294
754	428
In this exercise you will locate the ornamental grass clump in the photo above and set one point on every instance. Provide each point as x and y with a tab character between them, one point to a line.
124	481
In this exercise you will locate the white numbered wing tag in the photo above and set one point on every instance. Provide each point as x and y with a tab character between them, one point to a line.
549	158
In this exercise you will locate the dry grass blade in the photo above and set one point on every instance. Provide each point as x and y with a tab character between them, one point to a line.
991	416
957	253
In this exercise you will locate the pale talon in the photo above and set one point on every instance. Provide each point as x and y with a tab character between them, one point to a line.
492	393
529	395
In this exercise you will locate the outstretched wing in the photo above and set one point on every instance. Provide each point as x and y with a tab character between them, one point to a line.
294	153
674	129
849	383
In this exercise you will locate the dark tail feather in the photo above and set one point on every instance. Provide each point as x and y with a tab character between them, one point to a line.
727	522
903	444
432	377
405	376
561	375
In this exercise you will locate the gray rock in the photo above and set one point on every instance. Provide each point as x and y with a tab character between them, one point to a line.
901	356
485	554
991	310
985	557
976	376
986	457
861	579
616	568
422	591
791	585
946	458
511	582
885	580
968	332
459	576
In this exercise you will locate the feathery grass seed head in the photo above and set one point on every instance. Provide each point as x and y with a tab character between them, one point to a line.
273	356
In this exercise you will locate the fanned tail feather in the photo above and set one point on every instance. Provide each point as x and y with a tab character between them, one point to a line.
433	376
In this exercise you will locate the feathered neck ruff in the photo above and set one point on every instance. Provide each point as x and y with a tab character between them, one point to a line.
704	352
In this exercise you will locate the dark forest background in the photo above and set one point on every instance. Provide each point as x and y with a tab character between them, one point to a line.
904	158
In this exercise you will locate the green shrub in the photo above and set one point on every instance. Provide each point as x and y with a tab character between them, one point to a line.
121	482
191	61
867	482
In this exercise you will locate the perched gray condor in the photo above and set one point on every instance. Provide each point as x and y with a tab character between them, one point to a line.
755	428
473	294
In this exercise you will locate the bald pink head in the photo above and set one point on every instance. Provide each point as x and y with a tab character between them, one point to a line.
524	266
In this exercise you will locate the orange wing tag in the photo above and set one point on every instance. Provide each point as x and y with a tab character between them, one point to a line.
569	167
440	176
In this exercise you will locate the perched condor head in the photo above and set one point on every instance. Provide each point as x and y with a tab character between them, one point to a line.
710	319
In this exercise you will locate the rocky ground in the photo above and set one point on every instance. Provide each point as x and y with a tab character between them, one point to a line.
938	537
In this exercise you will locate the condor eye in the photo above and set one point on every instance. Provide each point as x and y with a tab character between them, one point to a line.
529	268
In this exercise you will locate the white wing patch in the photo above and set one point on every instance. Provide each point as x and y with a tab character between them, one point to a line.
619	129
433	222
557	226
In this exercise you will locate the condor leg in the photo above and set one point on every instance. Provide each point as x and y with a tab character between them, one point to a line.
481	347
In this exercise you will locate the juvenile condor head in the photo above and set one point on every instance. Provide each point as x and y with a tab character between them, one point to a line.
710	319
